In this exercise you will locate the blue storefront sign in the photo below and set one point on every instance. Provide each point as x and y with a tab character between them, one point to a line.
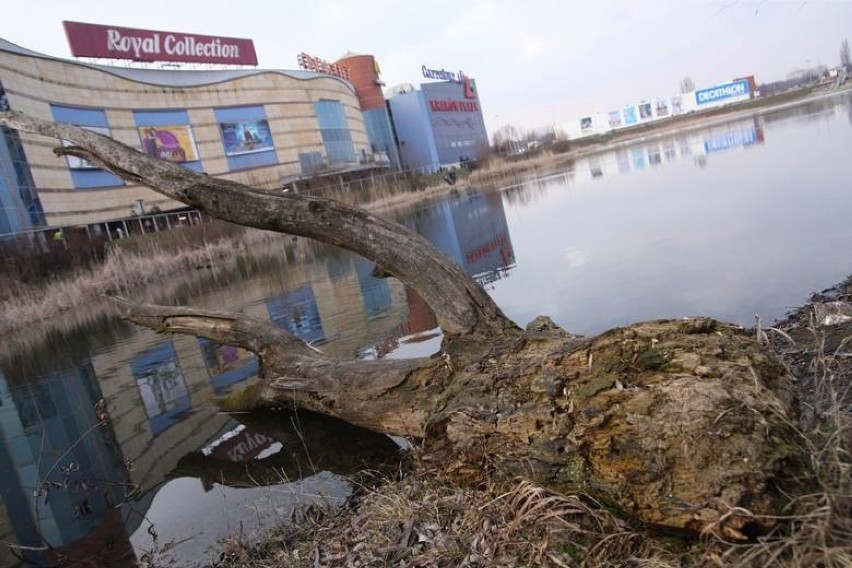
722	92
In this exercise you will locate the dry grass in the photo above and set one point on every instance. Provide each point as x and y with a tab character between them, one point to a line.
129	266
419	522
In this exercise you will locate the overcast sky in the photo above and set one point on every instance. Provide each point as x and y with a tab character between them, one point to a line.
535	62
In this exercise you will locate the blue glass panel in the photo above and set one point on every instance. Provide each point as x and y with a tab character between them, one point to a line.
245	161
374	291
335	132
79	116
94	179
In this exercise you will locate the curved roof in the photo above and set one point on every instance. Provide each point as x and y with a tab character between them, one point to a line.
172	78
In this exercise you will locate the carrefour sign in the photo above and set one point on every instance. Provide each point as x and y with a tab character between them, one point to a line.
722	92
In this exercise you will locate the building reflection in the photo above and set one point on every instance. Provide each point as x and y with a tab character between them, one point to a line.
698	145
79	486
473	231
62	473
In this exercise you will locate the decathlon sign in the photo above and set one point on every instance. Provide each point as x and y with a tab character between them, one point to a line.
722	92
92	40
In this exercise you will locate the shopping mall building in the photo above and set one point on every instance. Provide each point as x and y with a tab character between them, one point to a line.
268	128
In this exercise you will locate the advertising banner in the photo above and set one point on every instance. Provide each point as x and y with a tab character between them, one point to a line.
662	108
113	42
614	119
173	143
76	163
586	123
645	111
677	105
630	115
724	92
246	137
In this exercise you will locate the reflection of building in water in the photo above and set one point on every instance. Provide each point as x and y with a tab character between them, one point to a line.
159	389
337	304
61	475
473	232
698	145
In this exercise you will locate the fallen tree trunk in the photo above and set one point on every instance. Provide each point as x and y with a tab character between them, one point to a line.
686	425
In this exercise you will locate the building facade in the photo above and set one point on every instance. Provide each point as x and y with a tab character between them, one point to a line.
440	125
265	128
363	72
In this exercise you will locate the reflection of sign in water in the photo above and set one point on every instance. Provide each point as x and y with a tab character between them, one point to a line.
623	161
630	115
227	364
733	139
654	157
172	143
76	163
499	243
243	446
638	159
246	137
161	385
722	92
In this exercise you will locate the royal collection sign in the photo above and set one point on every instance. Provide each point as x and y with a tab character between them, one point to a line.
112	42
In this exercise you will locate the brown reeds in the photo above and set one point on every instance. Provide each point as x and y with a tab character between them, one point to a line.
130	265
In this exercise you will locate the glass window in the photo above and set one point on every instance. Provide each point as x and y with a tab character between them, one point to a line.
335	132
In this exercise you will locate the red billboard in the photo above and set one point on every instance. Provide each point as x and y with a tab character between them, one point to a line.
112	42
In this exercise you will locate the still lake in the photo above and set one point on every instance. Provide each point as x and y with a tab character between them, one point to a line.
748	216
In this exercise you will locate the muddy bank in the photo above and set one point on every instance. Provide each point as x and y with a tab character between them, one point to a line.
815	342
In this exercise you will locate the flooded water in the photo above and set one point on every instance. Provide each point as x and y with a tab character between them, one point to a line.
746	217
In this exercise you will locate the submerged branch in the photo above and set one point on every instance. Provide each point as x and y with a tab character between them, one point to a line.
386	395
233	329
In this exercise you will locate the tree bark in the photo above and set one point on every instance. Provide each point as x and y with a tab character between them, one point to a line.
685	425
